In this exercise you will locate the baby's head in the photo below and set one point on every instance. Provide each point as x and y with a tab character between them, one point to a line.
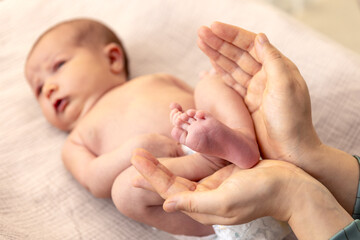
71	66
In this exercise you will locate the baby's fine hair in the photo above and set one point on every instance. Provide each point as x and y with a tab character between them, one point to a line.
89	31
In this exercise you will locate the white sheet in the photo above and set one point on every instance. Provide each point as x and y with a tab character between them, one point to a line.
39	199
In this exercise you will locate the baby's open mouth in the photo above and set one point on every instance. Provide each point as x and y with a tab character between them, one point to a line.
60	105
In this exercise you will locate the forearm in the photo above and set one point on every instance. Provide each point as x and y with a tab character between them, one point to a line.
104	169
337	170
95	173
317	214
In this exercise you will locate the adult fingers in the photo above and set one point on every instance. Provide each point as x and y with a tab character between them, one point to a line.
140	182
204	202
207	196
201	206
240	56
226	64
164	182
265	51
230	81
276	66
239	37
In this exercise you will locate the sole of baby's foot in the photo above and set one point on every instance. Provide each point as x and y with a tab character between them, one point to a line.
203	133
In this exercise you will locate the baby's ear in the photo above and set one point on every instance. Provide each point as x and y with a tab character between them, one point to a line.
114	53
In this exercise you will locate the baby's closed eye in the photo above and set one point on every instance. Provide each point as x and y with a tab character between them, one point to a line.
58	65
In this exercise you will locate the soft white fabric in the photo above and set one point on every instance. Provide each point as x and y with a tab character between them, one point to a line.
39	199
262	228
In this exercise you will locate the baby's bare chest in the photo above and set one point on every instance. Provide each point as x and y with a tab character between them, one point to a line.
115	120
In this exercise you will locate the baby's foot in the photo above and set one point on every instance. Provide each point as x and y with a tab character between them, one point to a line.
200	131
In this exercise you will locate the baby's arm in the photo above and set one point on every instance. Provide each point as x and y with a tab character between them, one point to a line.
97	173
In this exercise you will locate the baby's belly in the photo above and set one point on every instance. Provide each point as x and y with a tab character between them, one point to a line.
115	133
120	119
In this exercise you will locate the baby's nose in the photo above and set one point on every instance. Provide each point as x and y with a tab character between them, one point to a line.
49	89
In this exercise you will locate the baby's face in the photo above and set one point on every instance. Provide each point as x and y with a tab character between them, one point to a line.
66	79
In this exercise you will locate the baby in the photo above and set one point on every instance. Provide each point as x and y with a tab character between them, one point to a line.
78	72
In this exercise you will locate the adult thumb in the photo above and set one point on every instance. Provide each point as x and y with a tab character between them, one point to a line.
273	61
265	51
191	202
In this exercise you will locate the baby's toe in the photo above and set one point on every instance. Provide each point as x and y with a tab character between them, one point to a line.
191	112
179	134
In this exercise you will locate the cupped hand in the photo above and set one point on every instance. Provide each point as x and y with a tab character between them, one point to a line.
230	196
273	89
235	196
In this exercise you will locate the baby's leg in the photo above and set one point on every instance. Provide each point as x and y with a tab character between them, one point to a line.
146	207
227	132
200	131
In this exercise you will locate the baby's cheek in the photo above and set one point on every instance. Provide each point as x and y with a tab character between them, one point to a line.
49	114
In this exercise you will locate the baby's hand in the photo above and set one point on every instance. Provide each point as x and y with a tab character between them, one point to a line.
159	145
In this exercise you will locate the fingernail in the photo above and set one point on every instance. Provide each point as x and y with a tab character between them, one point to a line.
170	206
262	38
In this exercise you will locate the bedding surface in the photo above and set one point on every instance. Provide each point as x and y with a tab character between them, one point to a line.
39	199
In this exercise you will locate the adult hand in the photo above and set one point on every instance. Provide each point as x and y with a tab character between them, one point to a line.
230	196
271	85
279	102
235	196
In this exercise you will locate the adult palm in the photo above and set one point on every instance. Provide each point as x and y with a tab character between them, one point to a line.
272	87
229	196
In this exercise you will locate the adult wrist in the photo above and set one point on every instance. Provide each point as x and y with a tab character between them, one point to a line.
315	213
356	211
308	150
336	169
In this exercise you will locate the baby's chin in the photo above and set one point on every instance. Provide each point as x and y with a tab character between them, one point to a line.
68	120
66	126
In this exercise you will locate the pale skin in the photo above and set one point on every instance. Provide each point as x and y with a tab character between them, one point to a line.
235	196
83	90
100	111
229	134
284	132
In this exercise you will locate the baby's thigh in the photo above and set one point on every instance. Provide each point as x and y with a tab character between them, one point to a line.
131	201
146	207
159	145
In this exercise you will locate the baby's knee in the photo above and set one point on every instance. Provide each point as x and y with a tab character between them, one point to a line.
122	192
130	201
208	85
207	79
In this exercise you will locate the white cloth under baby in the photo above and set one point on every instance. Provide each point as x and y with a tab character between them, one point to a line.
265	228
187	150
